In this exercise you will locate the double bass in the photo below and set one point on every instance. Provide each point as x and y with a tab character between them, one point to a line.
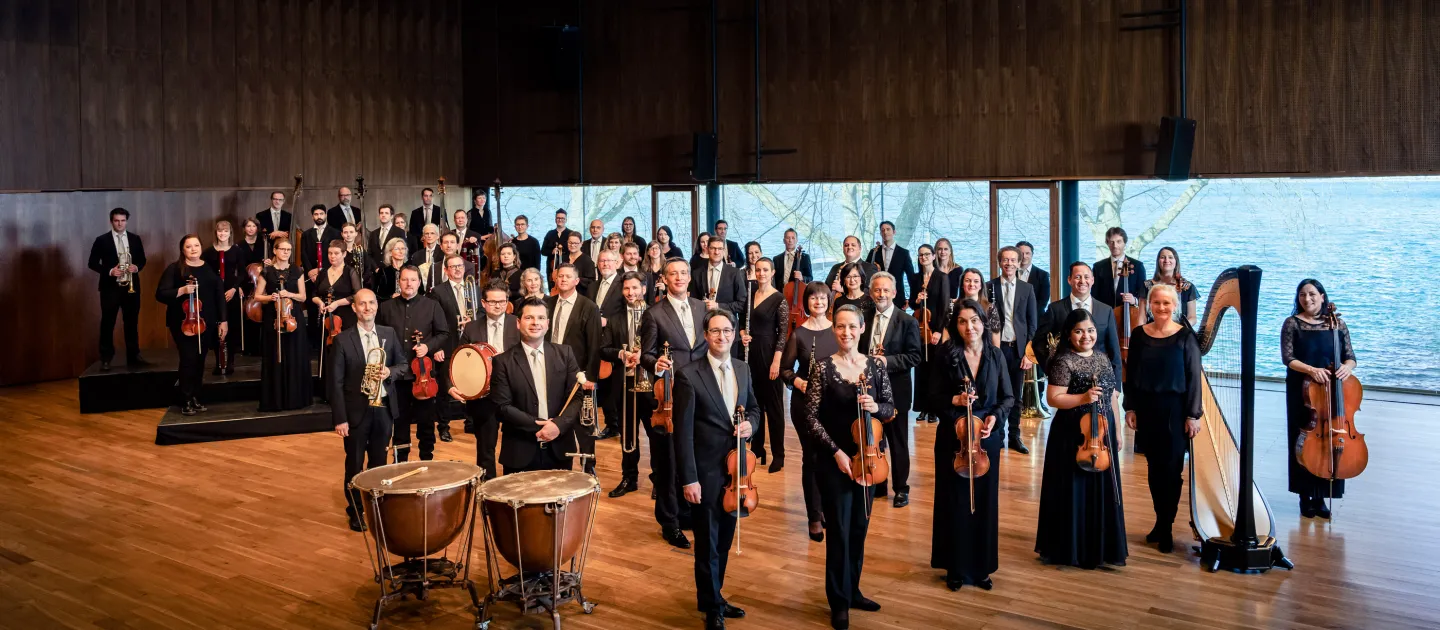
741	497
795	295
1127	316
1331	447
491	247
971	460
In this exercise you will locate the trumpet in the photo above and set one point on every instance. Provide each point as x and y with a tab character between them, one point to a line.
124	279
373	384
588	417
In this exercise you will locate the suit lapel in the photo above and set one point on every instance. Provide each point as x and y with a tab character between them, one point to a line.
554	378
712	387
697	315
523	358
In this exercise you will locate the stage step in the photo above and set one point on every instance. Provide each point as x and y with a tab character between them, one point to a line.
153	386
238	420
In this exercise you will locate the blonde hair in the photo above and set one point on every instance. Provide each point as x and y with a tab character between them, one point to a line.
390	250
1160	287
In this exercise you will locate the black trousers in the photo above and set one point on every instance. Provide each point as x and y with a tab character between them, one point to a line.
608	400
421	414
771	396
481	413
897	448
192	360
810	461
845	504
714	532
112	303
1013	356
642	406
365	448
662	471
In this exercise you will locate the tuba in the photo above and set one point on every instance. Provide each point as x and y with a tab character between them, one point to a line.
373	385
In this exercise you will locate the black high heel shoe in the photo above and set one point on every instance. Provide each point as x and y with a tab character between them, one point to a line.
1307	507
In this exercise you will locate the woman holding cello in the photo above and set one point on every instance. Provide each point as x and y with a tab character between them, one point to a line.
285	369
969	388
1162	394
1082	520
227	260
194	299
812	338
847	398
1308	349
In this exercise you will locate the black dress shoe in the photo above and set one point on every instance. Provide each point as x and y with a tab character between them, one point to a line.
817	536
840	619
902	499
953	583
104	366
1320	509
861	602
985	584
445	436
356	525
777	465
932	419
1307	507
1018	446
652	494
714	621
626	487
607	433
731	612
1166	544
676	538
760	457
136	361
1155	534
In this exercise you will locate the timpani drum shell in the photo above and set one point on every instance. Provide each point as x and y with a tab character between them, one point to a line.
535	517
422	514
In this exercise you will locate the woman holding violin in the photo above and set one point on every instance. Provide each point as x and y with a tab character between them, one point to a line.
969	388
227	260
1167	271
812	338
1162	394
846	399
285	370
766	329
194	298
932	304
252	250
1082	520
334	286
1308	349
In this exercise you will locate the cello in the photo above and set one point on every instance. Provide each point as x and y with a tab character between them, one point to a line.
1126	315
795	295
971	460
1331	447
741	497
664	414
425	386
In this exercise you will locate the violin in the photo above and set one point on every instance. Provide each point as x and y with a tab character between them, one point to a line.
1331	447
193	325
664	414
332	321
868	465
284	318
795	295
1128	316
971	460
923	314
1094	452
425	386
741	497
254	311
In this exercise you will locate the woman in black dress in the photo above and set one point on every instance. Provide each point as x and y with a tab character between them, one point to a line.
227	260
972	287
252	249
628	235
285	370
508	275
698	259
852	280
174	292
1167	271
945	262
666	239
813	338
765	333
831	407
356	259
653	266
335	285
753	254
1162	394
387	278
967	545
1082	520
530	286
932	296
1307	347
526	247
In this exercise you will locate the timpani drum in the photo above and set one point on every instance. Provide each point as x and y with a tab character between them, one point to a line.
470	369
421	518
539	523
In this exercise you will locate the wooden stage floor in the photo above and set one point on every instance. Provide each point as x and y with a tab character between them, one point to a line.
100	528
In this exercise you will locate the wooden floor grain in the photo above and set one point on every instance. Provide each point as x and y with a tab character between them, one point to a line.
100	528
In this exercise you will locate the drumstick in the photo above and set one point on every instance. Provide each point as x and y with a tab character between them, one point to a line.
392	480
565	406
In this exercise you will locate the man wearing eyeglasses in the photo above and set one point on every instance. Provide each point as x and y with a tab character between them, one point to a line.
502	332
450	293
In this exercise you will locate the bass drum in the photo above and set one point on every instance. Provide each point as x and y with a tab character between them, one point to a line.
470	369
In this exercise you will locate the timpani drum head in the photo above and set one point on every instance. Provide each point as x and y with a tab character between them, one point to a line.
539	487
422	513
470	370
438	476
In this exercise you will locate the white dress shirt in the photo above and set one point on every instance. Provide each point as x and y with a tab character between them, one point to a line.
1024	273
604	289
496	333
789	266
563	307
349	215
369	341
1115	264
1081	304
725	377
714	275
1007	290
881	325
682	308
122	242
886	252
595	246
537	372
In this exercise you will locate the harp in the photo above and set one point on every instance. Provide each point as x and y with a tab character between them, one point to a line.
1229	515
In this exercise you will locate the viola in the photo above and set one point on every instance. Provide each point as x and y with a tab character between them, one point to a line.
425	386
254	311
1128	316
741	497
868	465
1331	447
193	324
971	460
664	415
1094	452
795	295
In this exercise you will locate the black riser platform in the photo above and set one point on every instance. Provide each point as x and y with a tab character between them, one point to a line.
153	386
238	420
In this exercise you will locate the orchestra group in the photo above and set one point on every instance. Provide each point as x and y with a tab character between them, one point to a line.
693	353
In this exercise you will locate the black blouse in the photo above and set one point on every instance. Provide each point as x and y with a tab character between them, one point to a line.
528	251
830	407
992	384
795	361
234	265
1291	329
1164	366
210	293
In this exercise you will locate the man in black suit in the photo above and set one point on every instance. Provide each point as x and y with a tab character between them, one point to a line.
596	243
116	298
851	247
575	323
342	213
427	214
466	238
531	387
1015	304
422	327
275	221
1110	286
1107	336
893	259
380	236
607	294
707	393
674	324
1037	278
898	334
733	255
790	267
631	411
502	332
366	428
428	258
554	241
727	282
450	294
313	243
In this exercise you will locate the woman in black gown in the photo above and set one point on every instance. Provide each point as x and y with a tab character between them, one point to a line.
628	235
666	239
356	259
1167	271
932	296
972	287
813	338
698	259
174	292
831	407
765	333
285	370
1307	347
945	262
387	278
1082	519
509	273
1162	394
252	249
852	280
227	260
967	545
335	285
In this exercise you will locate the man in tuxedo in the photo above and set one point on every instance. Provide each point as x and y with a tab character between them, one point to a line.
894	259
116	299
313	243
532	384
596	243
790	267
707	393
450	246
629	413
427	214
481	221
851	247
897	334
502	332
675	323
554	241
365	428
1107	336
1111	287
575	323
422	327
1037	278
726	282
733	255
380	236
1015	303
275	221
450	294
342	213
466	238
606	293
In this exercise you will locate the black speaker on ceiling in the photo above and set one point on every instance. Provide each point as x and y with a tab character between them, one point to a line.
1172	154
702	165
